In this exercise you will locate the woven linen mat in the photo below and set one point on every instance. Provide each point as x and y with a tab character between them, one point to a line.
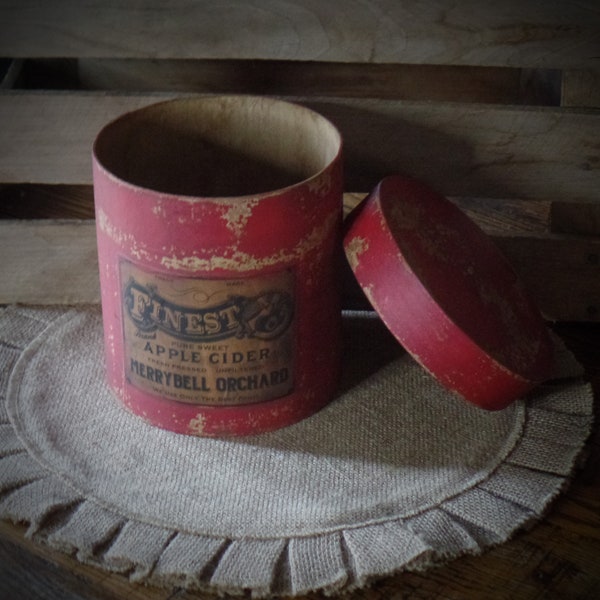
394	474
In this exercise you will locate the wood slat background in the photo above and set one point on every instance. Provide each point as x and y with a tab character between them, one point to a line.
496	104
502	155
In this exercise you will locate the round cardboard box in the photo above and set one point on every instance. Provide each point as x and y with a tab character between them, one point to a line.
447	293
219	234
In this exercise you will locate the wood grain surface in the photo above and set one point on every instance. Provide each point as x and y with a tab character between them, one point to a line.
461	149
522	33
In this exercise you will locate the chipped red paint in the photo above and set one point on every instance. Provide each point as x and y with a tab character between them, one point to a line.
295	230
447	293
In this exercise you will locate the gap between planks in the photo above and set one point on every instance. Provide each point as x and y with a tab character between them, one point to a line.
452	83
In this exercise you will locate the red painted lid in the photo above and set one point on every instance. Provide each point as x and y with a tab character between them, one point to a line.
447	293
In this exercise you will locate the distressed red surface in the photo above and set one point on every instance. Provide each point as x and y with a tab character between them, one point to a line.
298	227
447	293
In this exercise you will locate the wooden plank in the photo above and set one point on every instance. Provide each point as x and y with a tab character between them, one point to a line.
512	33
33	571
48	262
47	138
470	150
581	88
55	262
507	216
461	149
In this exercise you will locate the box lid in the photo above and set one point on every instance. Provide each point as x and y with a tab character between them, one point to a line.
447	293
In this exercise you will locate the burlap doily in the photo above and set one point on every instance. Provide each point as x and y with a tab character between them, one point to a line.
394	474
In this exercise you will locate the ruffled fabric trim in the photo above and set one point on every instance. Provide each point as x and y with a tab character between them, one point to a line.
557	424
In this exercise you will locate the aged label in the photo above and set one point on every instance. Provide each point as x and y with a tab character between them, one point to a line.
209	341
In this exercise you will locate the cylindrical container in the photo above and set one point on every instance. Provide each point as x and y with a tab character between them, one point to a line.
447	293
219	234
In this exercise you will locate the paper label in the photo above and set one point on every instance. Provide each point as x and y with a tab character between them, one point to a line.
209	341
